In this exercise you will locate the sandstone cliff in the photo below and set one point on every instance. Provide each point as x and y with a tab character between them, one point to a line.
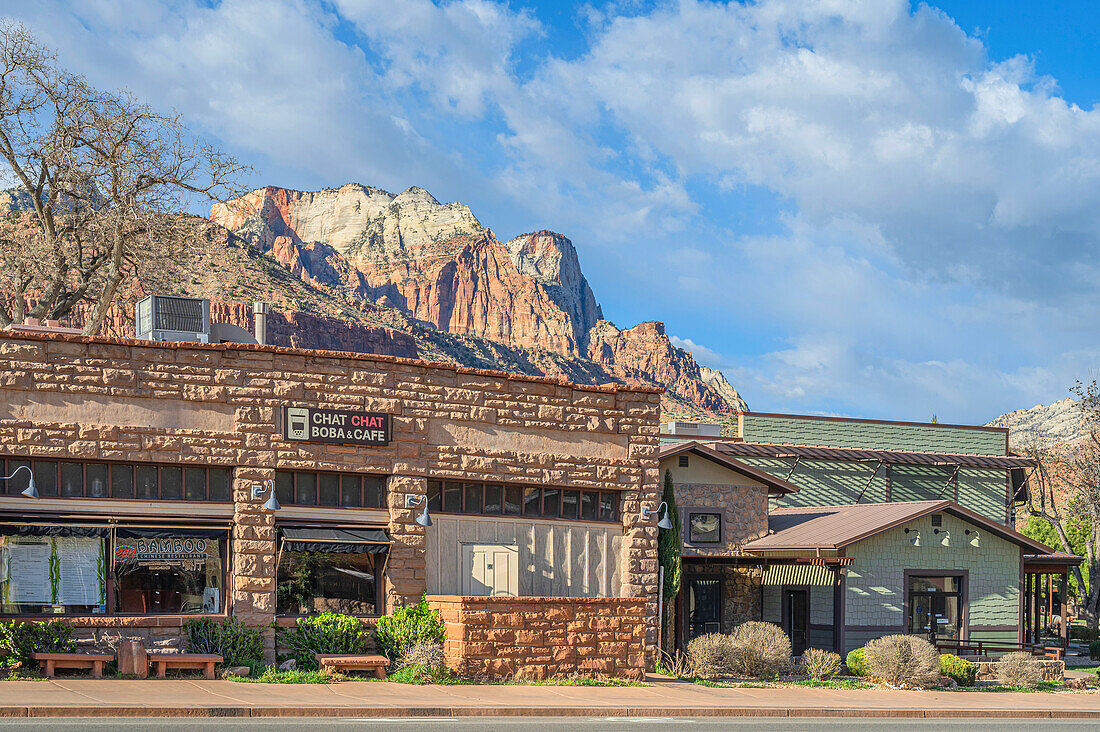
1060	421
437	263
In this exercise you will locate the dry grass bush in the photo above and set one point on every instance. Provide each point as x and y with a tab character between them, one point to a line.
712	656
820	664
761	650
428	654
903	660
1017	669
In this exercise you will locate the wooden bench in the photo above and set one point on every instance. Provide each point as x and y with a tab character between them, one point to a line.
54	661
202	661
369	662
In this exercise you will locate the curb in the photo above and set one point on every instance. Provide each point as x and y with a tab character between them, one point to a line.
486	712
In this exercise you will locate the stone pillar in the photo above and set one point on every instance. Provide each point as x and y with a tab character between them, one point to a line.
405	568
639	562
253	559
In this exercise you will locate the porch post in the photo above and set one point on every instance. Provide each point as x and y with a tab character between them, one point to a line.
1064	602
838	610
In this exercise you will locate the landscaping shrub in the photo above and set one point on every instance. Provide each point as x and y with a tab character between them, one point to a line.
21	639
237	643
1094	650
711	655
396	634
963	672
1083	633
820	664
327	633
428	654
898	660
1017	669
857	665
761	650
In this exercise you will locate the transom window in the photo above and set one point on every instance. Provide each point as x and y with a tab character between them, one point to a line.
143	482
349	490
499	499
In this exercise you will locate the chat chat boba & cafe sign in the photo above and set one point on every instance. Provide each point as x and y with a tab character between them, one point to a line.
306	424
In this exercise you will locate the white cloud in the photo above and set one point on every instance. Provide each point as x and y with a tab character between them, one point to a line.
701	353
941	230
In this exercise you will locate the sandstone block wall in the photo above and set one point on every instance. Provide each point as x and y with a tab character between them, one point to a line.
72	397
541	638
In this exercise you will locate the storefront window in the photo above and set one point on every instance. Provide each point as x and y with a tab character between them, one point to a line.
309	488
169	574
513	500
935	604
318	582
53	574
117	480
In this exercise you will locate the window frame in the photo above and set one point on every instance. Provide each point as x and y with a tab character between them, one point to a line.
436	501
963	594
292	499
112	610
381	559
687	511
14	486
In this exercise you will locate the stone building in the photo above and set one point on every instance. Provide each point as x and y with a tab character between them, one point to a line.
155	464
844	530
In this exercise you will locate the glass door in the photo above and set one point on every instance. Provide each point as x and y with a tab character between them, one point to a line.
796	619
935	607
704	605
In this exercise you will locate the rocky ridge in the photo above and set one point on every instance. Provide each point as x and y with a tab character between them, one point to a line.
436	264
1058	422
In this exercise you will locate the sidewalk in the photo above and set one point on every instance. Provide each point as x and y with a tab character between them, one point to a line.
662	698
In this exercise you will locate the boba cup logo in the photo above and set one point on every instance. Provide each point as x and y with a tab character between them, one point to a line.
297	423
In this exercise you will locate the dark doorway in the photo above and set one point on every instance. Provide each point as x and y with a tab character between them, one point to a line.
703	600
796	618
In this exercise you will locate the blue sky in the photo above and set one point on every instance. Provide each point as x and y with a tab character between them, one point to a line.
869	208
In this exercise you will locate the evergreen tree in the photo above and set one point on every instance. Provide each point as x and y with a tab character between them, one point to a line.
668	553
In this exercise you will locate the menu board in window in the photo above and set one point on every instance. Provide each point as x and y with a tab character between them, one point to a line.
28	572
81	567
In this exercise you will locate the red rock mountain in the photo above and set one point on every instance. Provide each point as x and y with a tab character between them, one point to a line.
438	264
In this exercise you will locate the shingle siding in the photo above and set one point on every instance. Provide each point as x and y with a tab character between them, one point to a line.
871	435
876	580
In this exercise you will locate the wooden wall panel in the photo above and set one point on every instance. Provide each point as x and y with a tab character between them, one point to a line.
556	558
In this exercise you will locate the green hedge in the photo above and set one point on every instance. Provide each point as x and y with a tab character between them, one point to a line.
962	671
855	663
327	633
21	639
396	634
237	643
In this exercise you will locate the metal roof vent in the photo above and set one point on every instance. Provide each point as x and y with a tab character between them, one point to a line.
167	318
691	429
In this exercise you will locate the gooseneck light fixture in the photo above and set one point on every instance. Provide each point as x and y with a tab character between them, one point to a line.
412	501
976	539
946	540
664	523
914	537
272	503
31	491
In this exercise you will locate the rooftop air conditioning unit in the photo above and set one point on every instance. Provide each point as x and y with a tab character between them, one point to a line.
166	318
691	429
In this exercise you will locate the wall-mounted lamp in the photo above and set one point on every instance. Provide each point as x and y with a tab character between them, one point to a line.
412	501
946	540
31	491
664	523
915	538
975	538
272	503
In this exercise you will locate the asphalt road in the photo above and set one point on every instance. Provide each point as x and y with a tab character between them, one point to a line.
531	724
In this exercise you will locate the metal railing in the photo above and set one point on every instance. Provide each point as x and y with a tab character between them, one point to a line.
986	648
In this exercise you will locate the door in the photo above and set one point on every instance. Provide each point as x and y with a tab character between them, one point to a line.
796	618
704	605
490	570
